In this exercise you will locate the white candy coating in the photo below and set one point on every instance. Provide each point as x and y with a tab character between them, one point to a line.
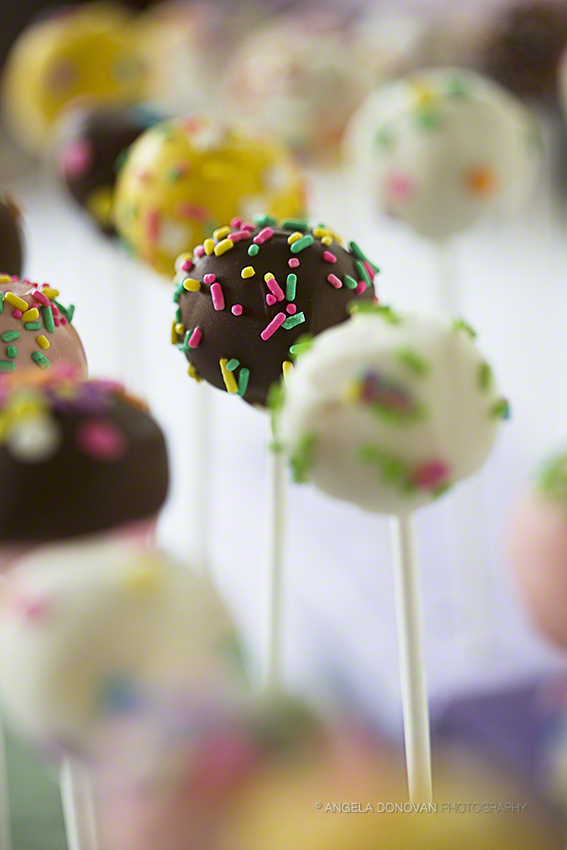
90	631
442	148
386	411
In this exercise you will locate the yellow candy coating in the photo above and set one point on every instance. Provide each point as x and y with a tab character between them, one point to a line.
185	178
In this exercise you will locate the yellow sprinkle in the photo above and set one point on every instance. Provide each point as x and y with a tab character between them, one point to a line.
228	377
16	302
221	233
327	240
100	204
320	232
295	237
209	246
269	276
5	278
143	577
50	293
174	339
223	247
249	271
287	368
43	342
31	315
180	329
191	285
192	372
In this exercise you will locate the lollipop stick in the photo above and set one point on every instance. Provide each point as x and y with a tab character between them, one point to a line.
5	836
415	702
449	295
274	571
202	473
78	807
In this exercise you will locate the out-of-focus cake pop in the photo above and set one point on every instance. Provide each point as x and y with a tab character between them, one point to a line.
442	148
93	142
79	55
183	179
246	297
388	411
11	249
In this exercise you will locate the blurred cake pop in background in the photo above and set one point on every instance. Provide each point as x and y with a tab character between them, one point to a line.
441	148
11	241
185	178
83	55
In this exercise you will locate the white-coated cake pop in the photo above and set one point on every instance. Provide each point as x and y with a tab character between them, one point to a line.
91	631
442	148
388	411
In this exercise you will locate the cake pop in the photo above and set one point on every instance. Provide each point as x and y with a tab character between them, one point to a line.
184	178
36	330
388	410
93	631
10	236
246	297
538	547
93	143
83	54
75	458
441	148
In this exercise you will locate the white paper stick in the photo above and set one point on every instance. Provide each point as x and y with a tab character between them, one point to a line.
415	703
448	281
5	833
77	798
274	569
202	474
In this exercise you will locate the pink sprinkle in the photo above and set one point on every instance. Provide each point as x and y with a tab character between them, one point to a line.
152	225
236	223
263	236
369	269
55	309
199	251
40	298
239	235
275	288
209	279
276	322
291	309
187	265
43	285
63	320
237	310
17	314
217	296
271	299
399	186
36	610
361	287
431	475
101	440
56	322
329	258
186	210
76	158
195	338
249	227
293	263
335	281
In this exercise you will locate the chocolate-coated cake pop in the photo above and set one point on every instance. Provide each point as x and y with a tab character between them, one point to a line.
75	458
10	237
246	297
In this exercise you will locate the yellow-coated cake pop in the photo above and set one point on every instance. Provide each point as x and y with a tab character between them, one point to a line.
84	55
185	178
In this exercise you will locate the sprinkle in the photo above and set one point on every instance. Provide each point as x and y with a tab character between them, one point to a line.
7	366
209	279
152	225
41	360
12	351
41	298
47	313
237	310
302	244
361	288
221	233
335	281
327	241
199	251
461	325
274	286
195	338
239	236
350	282
17	314
68	312
287	368
263	221
16	302
32	326
253	250
320	232
290	287
299	348
358	253
291	309
362	273
485	376
223	247
293	224
228	377
5	278
413	360
233	364
292	321
177	292
243	379
1	301
236	223
50	292
217	296
263	236
174	339
191	285
295	237
276	322
271	299
55	309
329	258
187	265
249	227
209	246
10	336
293	263
249	271
192	372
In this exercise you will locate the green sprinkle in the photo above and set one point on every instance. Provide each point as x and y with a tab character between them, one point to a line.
177	292
1	301
292	321
484	376
302	345
384	139
243	378
233	364
173	175
302	244
501	410
41	360
12	351
393	471
458	88
47	314
461	325
264	221
32	326
359	254
301	460
553	478
68	312
253	250
120	160
428	119
350	282
290	287
10	336
7	366
362	273
295	224
414	361
178	316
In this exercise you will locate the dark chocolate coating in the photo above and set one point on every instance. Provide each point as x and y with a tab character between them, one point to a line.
74	493
228	336
10	240
103	135
525	48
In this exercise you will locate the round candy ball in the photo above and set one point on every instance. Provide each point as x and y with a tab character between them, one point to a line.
247	296
84	648
389	411
76	458
11	249
93	144
77	55
185	178
440	149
